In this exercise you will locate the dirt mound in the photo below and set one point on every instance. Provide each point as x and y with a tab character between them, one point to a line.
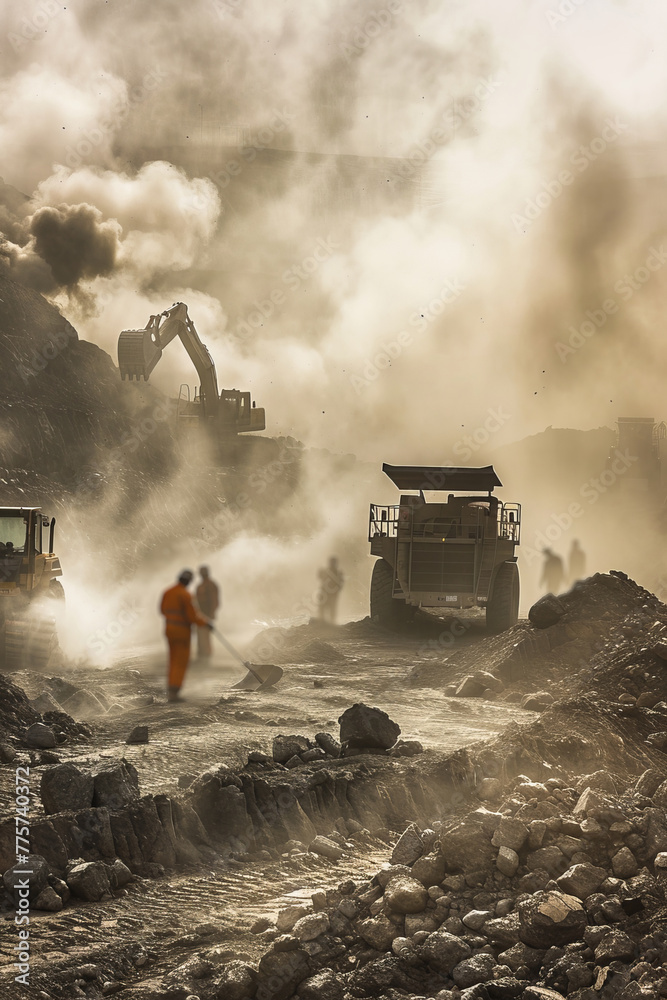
15	711
17	715
308	643
529	656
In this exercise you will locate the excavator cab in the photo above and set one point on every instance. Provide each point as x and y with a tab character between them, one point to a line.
230	411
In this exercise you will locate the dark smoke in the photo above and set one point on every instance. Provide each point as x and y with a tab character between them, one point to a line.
75	242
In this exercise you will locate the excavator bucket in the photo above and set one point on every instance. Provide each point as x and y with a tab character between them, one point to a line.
138	353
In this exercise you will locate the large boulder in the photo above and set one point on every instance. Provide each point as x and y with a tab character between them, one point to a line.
116	785
507	862
546	612
649	782
378	932
40	736
429	869
326	848
443	951
551	918
311	926
510	832
286	747
473	970
405	894
581	880
17	878
236	982
408	848
280	972
467	847
615	946
326	985
65	787
471	687
361	726
88	880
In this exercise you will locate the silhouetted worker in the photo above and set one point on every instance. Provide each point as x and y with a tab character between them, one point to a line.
577	563
208	602
180	614
331	584
552	572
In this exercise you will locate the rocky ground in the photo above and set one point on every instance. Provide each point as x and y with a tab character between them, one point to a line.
352	834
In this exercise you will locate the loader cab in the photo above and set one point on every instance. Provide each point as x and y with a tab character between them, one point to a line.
27	561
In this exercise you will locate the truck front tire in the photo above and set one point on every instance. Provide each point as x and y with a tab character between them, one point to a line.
390	611
502	610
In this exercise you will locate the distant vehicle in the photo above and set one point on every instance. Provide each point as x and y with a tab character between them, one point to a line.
29	571
453	553
227	412
643	444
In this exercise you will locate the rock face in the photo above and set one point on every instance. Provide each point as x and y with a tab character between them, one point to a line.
361	726
546	612
66	787
551	918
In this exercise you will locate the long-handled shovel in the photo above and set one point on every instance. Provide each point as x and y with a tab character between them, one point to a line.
260	675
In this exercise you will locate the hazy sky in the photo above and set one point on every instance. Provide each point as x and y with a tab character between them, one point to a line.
484	235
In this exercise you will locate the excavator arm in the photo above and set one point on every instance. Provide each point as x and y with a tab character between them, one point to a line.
140	350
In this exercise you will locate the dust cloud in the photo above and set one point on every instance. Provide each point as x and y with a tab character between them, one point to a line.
393	224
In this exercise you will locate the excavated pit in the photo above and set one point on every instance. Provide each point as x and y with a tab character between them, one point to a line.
442	819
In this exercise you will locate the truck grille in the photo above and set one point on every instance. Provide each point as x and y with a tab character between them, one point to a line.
446	568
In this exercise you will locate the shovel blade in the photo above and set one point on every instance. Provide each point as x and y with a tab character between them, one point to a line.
267	675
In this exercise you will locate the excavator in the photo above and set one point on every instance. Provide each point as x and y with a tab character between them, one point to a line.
227	412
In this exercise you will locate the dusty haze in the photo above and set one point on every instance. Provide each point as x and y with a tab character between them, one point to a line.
387	220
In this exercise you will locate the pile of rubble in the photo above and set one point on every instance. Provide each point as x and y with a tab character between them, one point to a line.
22	725
558	891
553	648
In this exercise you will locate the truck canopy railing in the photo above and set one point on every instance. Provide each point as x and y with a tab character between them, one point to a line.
474	522
383	521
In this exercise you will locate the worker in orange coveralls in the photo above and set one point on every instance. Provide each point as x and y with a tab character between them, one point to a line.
180	615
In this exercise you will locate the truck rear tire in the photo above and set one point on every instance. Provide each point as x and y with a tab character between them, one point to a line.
502	611
391	611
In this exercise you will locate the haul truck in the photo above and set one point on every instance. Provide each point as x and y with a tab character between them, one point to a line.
453	552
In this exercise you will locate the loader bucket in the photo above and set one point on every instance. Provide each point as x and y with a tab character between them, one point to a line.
138	354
